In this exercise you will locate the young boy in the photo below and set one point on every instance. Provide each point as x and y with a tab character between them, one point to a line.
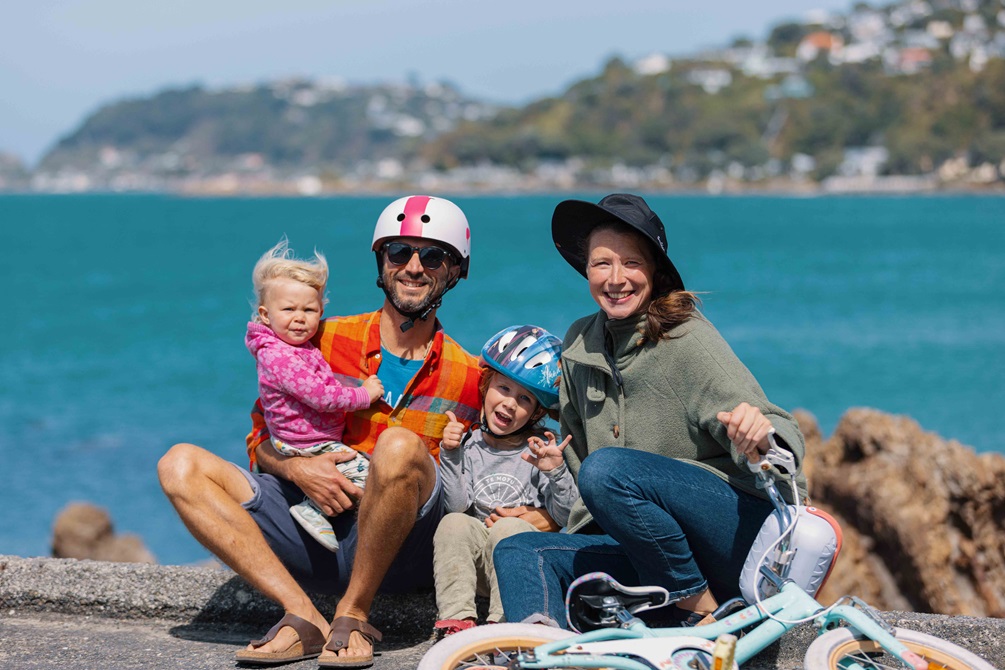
488	468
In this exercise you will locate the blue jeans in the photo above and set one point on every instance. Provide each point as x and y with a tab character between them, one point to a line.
668	523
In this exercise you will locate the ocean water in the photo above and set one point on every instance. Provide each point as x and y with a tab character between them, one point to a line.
125	319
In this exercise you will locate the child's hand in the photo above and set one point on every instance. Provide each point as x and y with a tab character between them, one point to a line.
453	433
374	387
545	456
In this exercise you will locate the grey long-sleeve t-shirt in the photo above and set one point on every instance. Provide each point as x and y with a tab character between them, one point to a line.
478	478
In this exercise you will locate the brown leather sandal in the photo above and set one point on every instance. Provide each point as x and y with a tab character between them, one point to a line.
310	644
341	627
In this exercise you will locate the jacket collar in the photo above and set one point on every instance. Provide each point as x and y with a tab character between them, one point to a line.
588	347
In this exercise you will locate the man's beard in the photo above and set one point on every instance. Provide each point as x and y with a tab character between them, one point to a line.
411	307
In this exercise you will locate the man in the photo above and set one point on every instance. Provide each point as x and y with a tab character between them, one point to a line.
422	246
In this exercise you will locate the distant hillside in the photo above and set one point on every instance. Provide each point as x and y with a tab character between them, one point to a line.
286	125
751	128
13	173
906	89
912	93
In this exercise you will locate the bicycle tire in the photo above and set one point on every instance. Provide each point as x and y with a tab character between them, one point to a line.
833	647
485	644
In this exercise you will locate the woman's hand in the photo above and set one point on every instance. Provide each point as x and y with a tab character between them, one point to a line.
747	429
535	516
452	433
545	456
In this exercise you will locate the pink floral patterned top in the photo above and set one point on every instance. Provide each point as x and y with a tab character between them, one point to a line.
303	401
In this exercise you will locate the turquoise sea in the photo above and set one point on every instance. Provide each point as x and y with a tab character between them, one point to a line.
126	315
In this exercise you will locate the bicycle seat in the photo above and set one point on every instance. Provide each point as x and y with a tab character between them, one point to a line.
595	601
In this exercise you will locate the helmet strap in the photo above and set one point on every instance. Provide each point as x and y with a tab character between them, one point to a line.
484	425
467	434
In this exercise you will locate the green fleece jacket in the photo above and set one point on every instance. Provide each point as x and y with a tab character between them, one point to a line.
663	399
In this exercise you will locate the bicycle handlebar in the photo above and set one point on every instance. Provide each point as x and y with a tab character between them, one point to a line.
782	459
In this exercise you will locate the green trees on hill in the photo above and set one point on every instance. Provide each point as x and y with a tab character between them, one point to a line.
620	116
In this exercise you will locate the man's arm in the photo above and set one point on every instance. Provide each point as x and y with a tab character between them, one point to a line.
317	476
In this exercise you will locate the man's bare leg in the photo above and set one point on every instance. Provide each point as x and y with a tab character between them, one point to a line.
401	479
207	492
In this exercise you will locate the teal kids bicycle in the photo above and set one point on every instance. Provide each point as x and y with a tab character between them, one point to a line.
787	565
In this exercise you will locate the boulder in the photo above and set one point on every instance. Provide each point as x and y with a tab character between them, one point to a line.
84	530
923	517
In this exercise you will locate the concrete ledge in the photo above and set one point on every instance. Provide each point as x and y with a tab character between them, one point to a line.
168	596
171	593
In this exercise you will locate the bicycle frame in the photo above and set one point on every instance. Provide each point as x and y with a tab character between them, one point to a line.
763	622
603	648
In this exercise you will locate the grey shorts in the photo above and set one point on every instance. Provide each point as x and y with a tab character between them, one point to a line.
318	570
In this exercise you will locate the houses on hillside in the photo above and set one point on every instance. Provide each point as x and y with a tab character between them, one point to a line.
905	38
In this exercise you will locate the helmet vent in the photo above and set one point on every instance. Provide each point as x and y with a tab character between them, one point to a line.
504	341
524	345
541	359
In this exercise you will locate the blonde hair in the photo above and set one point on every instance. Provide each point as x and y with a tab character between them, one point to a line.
280	263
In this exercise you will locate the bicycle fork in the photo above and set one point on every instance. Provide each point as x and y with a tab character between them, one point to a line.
864	620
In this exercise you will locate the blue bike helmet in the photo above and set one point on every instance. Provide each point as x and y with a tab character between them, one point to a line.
528	355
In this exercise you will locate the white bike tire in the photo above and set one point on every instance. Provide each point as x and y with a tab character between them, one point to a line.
827	651
453	651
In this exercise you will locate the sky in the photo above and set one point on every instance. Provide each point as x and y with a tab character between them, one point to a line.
61	60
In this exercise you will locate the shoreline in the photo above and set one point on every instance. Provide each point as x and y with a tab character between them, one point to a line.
893	186
507	193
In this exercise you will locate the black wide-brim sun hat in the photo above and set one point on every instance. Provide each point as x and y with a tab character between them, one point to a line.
574	220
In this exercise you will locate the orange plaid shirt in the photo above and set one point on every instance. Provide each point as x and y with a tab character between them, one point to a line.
447	380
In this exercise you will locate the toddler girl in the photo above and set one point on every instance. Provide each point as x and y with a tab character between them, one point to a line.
304	404
487	468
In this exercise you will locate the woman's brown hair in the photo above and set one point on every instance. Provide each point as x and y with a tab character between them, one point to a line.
669	307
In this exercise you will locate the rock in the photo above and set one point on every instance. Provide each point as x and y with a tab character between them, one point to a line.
923	518
83	530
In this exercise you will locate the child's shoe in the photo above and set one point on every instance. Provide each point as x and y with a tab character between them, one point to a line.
697	619
447	627
315	522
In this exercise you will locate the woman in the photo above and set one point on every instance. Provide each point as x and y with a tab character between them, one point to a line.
662	416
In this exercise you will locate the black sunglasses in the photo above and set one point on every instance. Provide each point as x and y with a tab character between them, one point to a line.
400	253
